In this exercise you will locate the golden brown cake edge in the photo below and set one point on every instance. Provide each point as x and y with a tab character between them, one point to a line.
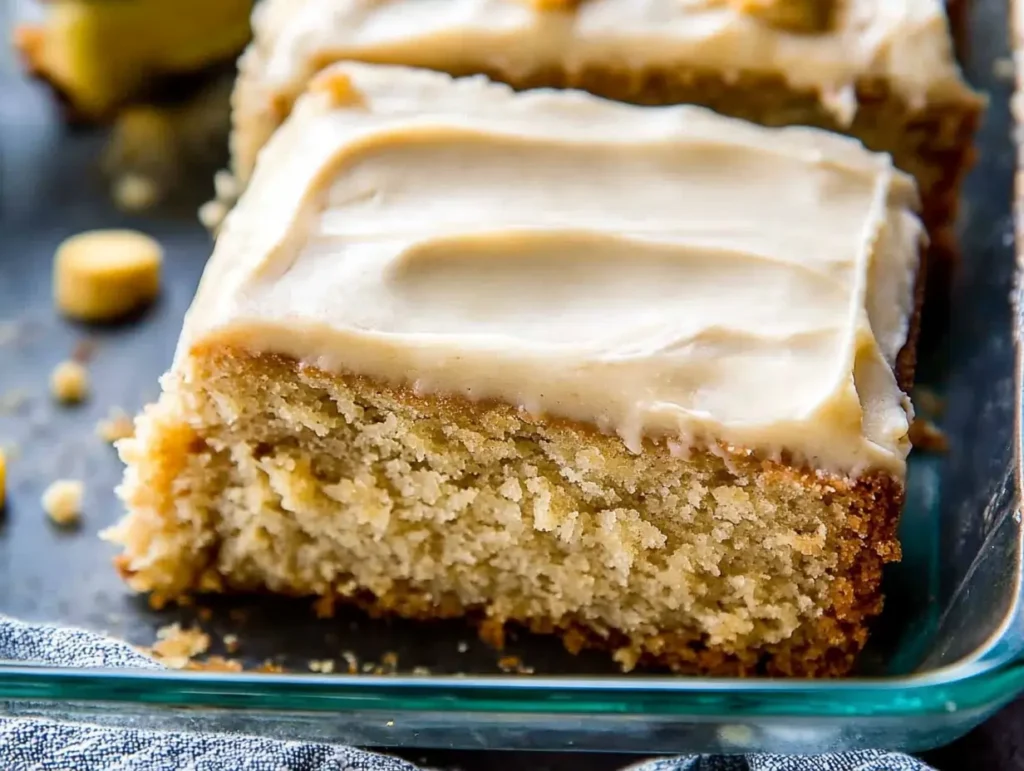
825	647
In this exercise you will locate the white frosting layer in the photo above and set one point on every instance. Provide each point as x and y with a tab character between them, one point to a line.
660	272
907	42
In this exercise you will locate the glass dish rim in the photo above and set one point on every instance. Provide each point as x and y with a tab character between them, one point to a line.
991	674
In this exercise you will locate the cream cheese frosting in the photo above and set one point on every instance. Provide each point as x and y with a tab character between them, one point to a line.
904	42
658	272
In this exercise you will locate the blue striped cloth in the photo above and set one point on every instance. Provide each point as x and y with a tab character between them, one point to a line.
36	744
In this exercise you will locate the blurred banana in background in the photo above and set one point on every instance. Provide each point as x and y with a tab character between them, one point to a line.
159	71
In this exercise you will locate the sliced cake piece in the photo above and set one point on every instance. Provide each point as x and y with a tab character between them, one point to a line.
634	375
880	70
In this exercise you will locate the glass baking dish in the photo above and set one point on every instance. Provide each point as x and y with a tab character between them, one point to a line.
945	654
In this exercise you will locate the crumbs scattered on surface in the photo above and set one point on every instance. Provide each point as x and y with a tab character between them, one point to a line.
323	666
176	647
117	425
514	665
216	664
463	646
351	662
926	436
62	502
69	382
231	643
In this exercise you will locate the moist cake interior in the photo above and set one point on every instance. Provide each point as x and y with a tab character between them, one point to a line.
668	419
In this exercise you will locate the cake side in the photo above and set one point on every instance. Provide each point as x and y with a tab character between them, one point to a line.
256	473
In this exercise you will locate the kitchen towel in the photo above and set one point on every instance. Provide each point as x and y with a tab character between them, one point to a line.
39	744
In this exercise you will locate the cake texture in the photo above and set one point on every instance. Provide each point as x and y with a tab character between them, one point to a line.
634	375
880	70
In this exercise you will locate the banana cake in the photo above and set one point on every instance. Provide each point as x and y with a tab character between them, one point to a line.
883	71
632	375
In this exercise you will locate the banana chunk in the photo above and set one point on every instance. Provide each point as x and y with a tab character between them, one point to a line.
103	275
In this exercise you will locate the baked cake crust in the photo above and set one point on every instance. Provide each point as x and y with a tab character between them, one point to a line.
217	438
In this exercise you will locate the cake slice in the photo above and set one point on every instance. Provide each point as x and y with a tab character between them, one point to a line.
633	375
100	56
880	70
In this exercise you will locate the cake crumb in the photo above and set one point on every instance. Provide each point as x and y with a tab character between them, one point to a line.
69	382
102	275
215	664
514	664
225	186
574	641
1003	68
463	646
231	644
323	607
176	647
212	215
133	192
323	666
116	426
627	658
269	667
421	671
492	632
62	502
926	436
351	662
